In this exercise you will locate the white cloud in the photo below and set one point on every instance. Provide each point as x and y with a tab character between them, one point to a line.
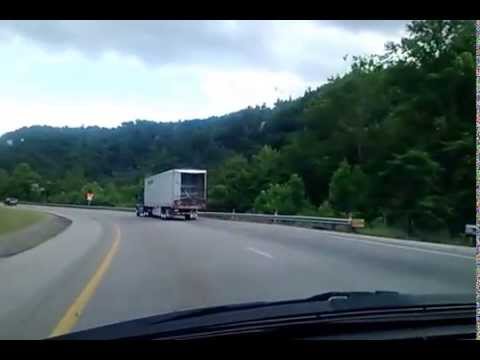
220	92
103	72
240	89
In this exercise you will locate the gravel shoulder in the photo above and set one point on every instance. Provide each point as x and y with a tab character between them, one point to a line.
33	235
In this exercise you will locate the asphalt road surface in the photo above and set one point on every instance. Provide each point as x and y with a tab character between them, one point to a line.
162	266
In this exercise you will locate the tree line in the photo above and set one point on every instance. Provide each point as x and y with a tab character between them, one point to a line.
391	140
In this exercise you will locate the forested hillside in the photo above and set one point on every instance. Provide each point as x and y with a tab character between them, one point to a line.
392	139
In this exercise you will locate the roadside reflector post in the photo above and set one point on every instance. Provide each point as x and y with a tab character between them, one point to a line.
275	214
233	214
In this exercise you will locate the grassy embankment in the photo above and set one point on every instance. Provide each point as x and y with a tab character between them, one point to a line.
12	219
441	237
22	229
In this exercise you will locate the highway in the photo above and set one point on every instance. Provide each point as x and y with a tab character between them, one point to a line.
110	266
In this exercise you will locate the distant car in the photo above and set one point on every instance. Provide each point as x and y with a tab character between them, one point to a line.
10	201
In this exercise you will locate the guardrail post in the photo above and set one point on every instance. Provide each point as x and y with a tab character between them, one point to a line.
233	214
275	214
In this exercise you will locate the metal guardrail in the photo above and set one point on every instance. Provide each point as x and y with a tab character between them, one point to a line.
77	206
322	222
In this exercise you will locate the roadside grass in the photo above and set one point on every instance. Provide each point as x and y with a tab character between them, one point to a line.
441	237
12	219
385	231
22	229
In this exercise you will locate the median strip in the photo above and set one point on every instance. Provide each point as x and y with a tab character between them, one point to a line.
73	313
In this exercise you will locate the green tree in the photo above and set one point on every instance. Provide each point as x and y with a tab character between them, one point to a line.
410	179
326	210
229	187
360	183
74	179
24	182
458	159
287	198
348	188
4	182
266	168
112	194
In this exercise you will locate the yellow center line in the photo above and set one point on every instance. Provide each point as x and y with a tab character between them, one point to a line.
73	313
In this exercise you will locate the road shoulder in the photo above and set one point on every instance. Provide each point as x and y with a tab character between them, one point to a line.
38	285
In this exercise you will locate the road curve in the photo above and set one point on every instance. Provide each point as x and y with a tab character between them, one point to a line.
163	266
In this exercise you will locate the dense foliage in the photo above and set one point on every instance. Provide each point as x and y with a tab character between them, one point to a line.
392	139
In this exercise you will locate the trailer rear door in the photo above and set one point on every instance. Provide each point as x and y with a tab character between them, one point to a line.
192	190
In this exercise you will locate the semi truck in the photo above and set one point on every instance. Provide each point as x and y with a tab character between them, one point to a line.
173	193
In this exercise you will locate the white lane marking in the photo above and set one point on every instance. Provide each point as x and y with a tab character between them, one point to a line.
259	252
404	247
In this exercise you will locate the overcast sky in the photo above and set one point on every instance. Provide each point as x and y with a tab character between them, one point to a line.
73	73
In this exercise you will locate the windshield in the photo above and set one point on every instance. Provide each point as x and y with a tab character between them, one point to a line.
180	165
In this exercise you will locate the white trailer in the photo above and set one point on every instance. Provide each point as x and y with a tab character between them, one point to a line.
176	192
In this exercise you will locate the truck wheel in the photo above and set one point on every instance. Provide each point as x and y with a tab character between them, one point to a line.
187	217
